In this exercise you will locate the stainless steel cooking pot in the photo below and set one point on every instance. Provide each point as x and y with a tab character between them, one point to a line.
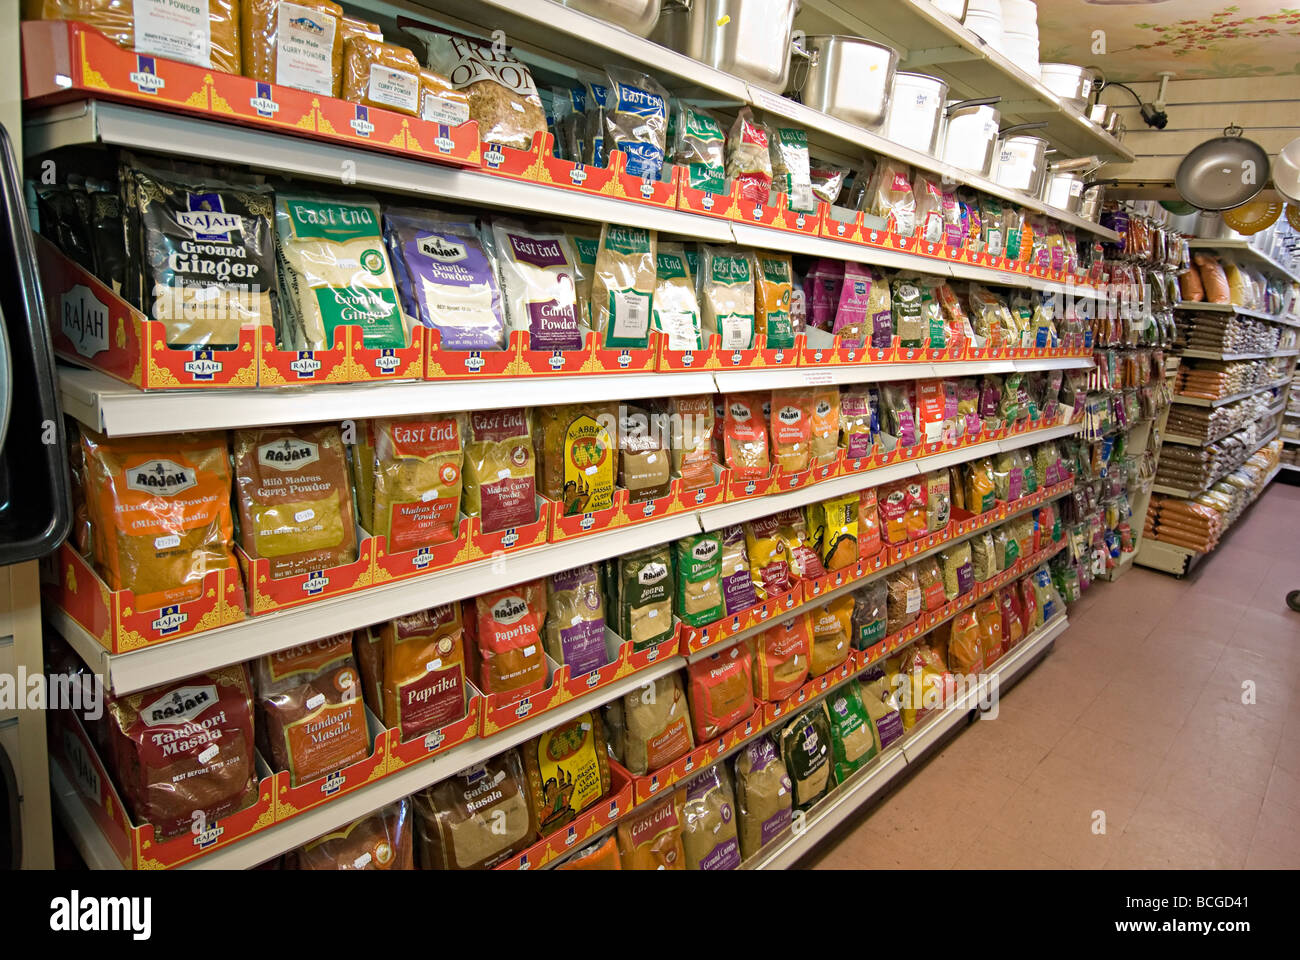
1094	195
1022	159
637	16
749	39
1065	182
916	107
847	77
1071	83
970	135
1063	190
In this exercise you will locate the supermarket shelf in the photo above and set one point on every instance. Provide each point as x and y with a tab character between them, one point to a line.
1192	305
747	234
117	409
1202	402
1289	467
1188	494
96	852
738	511
933	42
1290	442
1215	355
255	636
1186	441
89	122
729	381
829	595
820	822
557	32
1247	251
290	834
1180	560
726	514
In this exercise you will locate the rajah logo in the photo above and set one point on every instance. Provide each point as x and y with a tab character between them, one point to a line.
162	477
288	454
179	706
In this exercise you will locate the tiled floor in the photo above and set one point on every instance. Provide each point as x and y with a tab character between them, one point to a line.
1137	717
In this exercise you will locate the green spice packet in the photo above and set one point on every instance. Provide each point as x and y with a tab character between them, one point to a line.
645	597
622	293
333	260
699	578
853	738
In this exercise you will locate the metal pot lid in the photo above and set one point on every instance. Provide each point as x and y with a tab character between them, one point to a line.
1286	171
1223	173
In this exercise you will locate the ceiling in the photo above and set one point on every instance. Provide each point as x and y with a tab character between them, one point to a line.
1193	38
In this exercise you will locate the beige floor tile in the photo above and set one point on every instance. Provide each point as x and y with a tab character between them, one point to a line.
1132	766
1202	787
1276	844
1288	755
988	746
995	850
1284	789
1064	833
1163	835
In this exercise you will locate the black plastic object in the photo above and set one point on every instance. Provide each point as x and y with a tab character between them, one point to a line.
11	839
35	510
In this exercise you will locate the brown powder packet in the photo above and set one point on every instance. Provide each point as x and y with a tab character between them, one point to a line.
379	74
644	465
205	34
159	509
691	421
824	421
418	463
295	499
500	465
295	44
423	670
792	429
185	748
440	102
312	721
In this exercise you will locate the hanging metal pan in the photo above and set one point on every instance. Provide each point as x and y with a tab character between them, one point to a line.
1286	171
1223	173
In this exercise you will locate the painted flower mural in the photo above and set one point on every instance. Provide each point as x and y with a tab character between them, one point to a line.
1194	38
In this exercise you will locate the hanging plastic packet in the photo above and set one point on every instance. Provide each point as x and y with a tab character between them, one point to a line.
827	182
772	291
636	121
726	290
623	290
748	162
791	169
700	147
676	311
